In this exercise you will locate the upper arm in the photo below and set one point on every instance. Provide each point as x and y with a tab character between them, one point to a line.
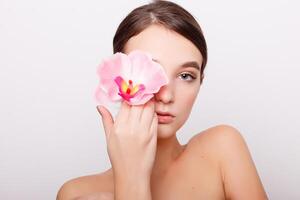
64	192
67	191
240	177
92	187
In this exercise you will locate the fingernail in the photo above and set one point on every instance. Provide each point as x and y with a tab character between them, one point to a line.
99	110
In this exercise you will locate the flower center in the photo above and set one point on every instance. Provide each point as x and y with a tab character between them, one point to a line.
129	87
128	91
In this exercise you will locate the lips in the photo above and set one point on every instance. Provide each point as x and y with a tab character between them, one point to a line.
164	113
164	117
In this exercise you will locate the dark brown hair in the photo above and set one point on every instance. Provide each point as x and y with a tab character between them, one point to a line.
168	14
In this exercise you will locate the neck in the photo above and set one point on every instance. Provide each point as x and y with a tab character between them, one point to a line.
167	152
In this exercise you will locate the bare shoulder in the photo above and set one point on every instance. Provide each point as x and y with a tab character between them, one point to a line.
225	145
215	140
90	187
222	131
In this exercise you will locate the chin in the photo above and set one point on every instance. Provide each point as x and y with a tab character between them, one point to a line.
165	131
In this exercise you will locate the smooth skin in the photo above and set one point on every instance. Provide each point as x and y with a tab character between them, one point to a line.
215	164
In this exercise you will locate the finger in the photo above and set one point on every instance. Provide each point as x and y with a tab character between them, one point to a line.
107	119
135	114
123	113
148	114
154	124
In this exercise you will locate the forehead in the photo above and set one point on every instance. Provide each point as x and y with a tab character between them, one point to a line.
166	46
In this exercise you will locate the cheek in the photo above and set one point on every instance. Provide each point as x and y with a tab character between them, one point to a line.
185	101
186	96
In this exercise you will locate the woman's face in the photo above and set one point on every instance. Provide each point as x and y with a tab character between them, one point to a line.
179	57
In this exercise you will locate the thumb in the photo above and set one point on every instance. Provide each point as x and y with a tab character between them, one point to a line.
107	119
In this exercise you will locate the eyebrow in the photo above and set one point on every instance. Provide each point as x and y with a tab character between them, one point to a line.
192	64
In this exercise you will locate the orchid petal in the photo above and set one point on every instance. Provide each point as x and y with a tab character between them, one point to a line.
134	78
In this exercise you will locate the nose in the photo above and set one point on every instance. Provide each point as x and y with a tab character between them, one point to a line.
165	94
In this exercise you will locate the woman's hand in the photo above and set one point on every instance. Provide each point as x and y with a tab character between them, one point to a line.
131	139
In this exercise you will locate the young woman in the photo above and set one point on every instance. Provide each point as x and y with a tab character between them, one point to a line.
147	160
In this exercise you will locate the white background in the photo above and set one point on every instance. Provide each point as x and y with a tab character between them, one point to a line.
50	131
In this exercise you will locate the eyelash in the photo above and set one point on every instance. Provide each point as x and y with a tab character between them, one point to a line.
192	77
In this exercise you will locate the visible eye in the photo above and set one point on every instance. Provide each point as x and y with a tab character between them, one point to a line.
185	75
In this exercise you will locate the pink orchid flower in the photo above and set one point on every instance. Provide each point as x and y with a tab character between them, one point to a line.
134	78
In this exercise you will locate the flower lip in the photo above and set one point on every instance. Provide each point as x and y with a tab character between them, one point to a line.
164	113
